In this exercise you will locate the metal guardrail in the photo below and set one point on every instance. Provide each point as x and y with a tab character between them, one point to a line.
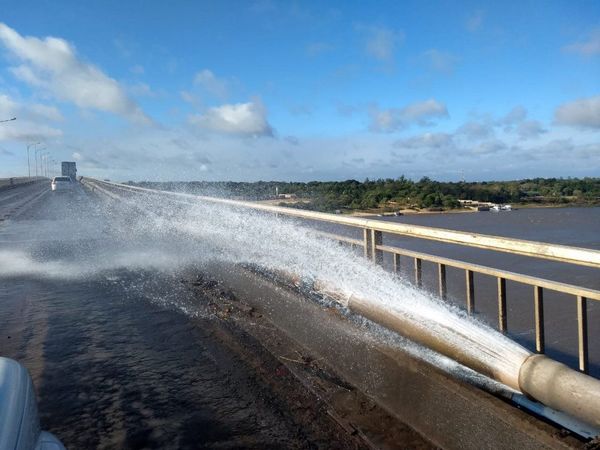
373	248
11	183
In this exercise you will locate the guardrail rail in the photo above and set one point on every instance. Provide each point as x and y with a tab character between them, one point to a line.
373	249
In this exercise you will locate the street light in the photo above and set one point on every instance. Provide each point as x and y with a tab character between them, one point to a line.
36	155
44	164
8	120
47	159
28	163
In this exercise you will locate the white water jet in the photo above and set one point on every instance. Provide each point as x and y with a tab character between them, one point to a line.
157	233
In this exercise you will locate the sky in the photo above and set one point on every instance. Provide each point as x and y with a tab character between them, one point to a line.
283	90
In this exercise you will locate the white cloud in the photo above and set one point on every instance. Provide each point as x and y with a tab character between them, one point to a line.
26	131
244	119
31	123
566	153
381	42
487	148
210	83
588	47
530	129
51	64
427	141
28	111
439	61
584	113
393	119
46	112
513	117
476	130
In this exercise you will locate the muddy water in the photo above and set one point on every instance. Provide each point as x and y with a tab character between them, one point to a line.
578	227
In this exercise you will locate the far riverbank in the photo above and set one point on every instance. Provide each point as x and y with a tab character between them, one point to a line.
393	212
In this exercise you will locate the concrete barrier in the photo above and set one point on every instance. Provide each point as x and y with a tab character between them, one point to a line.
449	412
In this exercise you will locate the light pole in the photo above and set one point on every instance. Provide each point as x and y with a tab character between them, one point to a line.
36	159
46	157
28	163
44	164
47	164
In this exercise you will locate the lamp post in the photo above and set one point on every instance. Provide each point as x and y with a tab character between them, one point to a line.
44	164
46	161
28	163
47	164
36	159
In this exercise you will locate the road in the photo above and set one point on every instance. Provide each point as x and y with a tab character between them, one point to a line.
138	335
128	358
13	198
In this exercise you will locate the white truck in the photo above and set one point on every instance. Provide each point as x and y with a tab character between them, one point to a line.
69	169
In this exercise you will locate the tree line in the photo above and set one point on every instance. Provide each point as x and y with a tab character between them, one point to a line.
396	193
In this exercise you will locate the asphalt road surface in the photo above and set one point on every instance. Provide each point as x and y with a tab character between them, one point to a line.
125	357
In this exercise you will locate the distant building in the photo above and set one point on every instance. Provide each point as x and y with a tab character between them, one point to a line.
476	204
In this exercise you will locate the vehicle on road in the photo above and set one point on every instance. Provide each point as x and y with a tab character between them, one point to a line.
61	184
19	419
69	169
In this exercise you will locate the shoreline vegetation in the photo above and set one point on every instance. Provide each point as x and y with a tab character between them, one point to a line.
398	196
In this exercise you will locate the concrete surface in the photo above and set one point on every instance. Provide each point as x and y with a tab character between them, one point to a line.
450	413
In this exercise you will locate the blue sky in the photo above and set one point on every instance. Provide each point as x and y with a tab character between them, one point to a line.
303	90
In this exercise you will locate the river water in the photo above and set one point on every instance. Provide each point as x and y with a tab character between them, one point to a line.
579	227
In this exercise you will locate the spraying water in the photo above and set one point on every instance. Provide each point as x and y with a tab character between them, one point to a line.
155	233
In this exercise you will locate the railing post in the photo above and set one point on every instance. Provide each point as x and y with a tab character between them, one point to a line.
470	288
368	243
538	303
396	263
502	304
376	239
442	280
582	333
418	272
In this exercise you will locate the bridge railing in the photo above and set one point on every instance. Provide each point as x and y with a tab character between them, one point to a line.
10	183
373	249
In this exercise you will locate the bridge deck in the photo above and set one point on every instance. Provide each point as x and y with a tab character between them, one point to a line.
116	361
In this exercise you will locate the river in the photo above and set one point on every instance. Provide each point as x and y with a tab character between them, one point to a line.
578	227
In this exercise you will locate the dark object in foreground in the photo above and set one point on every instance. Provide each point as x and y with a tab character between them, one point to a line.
19	421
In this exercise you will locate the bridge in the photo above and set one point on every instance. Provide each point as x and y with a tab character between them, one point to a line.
146	316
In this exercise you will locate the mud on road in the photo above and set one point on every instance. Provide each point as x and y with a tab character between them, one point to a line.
142	358
114	370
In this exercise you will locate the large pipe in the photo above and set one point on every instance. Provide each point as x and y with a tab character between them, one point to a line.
536	376
399	322
562	388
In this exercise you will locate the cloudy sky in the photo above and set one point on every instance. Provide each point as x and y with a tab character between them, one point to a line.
230	90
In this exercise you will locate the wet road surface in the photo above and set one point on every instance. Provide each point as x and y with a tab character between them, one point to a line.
126	359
